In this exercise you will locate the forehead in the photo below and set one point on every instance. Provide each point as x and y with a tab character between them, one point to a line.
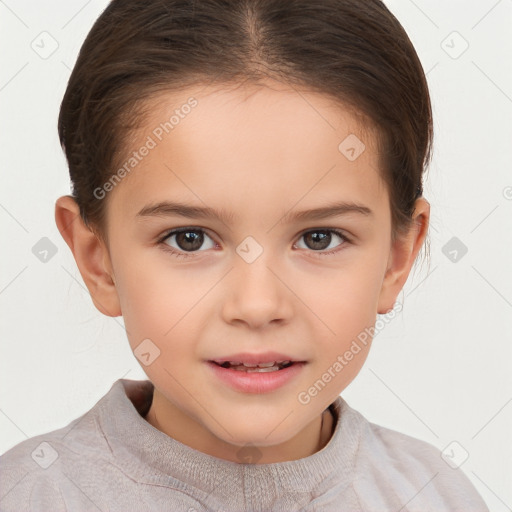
249	144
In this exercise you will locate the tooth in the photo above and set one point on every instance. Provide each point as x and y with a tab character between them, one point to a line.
250	365
263	370
243	368
267	365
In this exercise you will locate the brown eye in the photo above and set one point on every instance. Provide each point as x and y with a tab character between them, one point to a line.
317	240
322	239
188	240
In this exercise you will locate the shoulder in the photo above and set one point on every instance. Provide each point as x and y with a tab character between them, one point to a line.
398	469
38	473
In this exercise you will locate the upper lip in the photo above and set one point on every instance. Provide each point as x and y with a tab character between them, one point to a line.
254	358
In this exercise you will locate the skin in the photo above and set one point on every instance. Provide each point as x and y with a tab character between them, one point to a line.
256	153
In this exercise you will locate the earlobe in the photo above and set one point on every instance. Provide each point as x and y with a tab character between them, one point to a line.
91	256
402	256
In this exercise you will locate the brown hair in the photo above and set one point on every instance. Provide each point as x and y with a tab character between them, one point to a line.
355	52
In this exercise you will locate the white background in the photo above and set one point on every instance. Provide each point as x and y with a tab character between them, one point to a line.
440	371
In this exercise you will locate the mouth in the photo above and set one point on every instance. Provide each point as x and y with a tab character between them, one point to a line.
256	374
270	366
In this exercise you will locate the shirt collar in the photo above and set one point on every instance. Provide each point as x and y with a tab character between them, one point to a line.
148	455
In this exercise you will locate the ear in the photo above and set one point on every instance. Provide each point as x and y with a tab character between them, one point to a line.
91	255
402	256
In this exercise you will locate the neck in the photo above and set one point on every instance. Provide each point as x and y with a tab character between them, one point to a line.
176	424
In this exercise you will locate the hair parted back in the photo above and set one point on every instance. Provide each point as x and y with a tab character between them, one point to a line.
355	52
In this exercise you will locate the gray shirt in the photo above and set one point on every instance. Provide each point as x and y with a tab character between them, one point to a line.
112	459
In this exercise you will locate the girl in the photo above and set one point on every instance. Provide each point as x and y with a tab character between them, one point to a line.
247	194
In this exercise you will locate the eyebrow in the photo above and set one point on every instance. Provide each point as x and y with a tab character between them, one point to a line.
172	208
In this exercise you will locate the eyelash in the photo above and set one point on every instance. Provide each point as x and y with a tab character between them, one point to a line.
182	254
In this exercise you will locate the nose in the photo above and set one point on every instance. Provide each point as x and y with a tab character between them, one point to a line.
255	296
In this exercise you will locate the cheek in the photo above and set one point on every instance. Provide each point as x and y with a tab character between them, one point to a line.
156	301
342	299
162	318
343	306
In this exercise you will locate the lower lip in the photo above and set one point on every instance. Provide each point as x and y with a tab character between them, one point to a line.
256	382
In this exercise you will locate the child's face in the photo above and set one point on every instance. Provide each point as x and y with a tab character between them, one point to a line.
257	157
